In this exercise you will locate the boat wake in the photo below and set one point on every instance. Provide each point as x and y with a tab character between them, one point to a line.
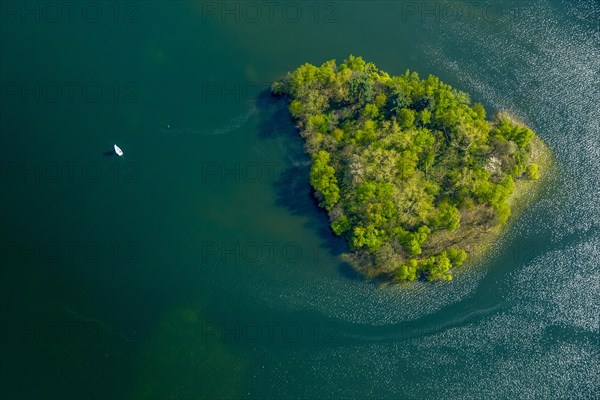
233	124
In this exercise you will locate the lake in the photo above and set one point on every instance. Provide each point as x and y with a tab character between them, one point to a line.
199	266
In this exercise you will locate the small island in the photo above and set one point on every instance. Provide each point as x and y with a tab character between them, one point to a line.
409	171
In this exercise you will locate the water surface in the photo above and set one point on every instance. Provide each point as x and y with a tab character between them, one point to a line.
198	266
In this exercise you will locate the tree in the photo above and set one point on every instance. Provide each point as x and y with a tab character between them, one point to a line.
368	237
355	63
440	268
341	225
407	272
296	109
479	110
533	171
456	256
322	178
424	117
406	118
448	216
380	100
371	111
361	89
521	135
338	134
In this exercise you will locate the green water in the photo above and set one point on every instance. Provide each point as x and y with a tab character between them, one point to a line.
198	266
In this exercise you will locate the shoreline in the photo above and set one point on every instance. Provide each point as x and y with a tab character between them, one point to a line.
524	194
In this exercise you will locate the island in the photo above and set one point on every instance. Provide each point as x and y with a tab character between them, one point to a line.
410	172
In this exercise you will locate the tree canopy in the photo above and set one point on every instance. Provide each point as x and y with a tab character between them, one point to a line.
408	169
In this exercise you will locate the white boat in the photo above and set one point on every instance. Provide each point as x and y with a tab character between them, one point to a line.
118	150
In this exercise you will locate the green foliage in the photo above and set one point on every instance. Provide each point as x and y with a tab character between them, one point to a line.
341	225
322	178
407	164
440	268
317	123
521	135
457	256
533	172
399	161
361	89
369	237
355	63
449	216
371	111
412	241
380	100
338	134
279	87
406	118
407	272
425	117
296	109
479	110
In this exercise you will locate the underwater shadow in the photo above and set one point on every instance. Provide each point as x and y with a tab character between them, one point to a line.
292	188
348	272
109	153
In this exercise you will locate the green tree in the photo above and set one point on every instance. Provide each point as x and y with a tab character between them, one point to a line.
371	111
322	178
407	272
456	256
406	118
368	237
341	225
533	171
361	89
449	216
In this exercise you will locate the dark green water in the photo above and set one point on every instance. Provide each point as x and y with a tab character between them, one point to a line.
197	266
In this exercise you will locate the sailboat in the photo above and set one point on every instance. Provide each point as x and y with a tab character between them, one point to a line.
118	150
